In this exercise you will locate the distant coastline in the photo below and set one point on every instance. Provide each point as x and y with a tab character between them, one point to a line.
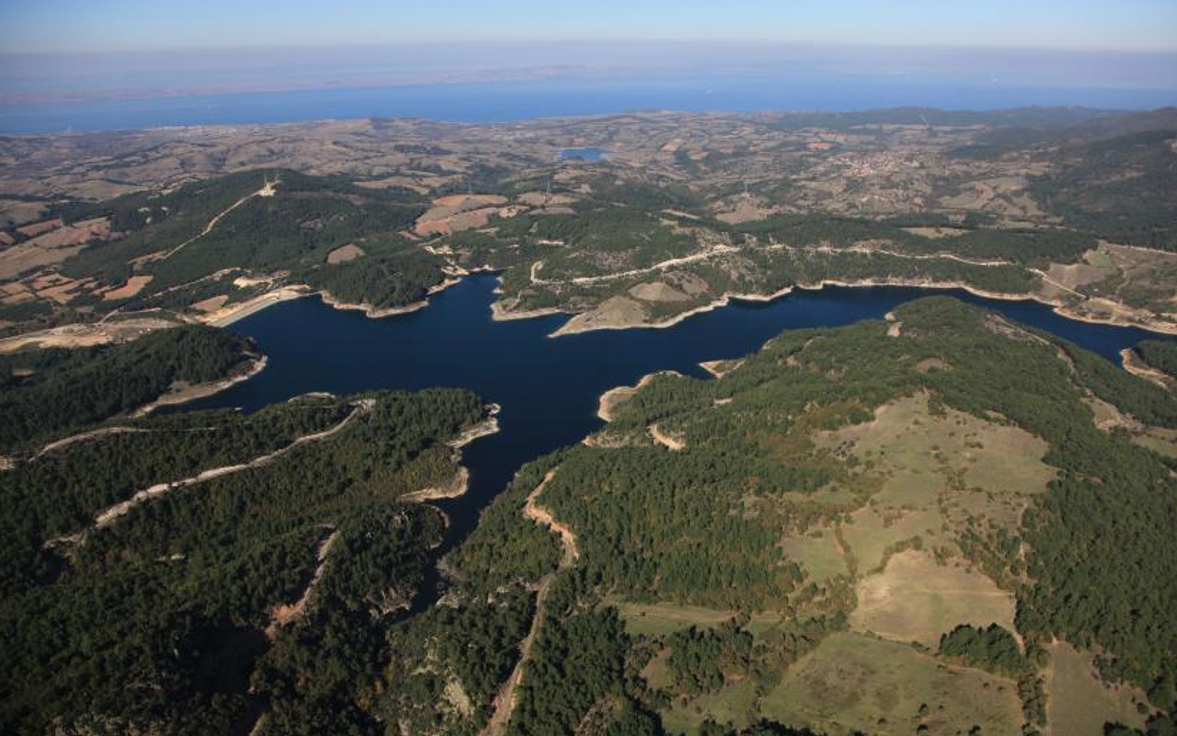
524	98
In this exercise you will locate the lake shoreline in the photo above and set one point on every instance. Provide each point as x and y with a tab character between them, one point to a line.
459	484
372	312
1137	367
226	316
203	390
1060	308
614	397
499	314
229	315
80	334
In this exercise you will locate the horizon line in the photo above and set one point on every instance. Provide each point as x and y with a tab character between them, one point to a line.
760	42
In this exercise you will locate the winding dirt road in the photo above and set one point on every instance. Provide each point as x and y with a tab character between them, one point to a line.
83	437
719	250
112	514
504	703
284	614
267	190
723	250
540	515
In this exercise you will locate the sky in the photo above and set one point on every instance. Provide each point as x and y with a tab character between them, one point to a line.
57	50
54	26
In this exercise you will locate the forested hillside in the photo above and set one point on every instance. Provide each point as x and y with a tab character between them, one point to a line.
45	394
209	244
716	559
267	587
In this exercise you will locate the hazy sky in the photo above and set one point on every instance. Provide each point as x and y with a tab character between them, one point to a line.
125	25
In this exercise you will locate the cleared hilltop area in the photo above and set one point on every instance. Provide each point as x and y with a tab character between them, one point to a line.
130	231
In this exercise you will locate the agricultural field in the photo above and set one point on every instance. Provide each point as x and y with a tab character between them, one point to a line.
939	474
917	600
1079	704
856	683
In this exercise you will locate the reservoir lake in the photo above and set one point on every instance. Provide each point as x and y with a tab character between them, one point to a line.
592	155
548	387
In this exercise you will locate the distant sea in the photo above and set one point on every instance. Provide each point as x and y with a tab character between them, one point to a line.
510	101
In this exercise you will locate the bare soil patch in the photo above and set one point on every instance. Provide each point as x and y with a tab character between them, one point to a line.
345	253
51	247
720	368
915	599
1076	275
212	304
540	199
666	439
616	312
32	230
83	335
935	233
458	212
658	291
133	286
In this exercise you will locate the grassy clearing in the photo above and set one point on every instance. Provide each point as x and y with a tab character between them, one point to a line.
874	528
1078	703
735	703
1106	415
1158	439
939	473
1099	259
854	682
1109	418
663	619
657	673
817	551
915	599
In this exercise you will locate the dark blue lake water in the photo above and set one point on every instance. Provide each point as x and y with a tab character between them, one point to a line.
584	154
548	387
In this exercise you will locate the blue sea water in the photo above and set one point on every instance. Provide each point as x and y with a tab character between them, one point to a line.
510	101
